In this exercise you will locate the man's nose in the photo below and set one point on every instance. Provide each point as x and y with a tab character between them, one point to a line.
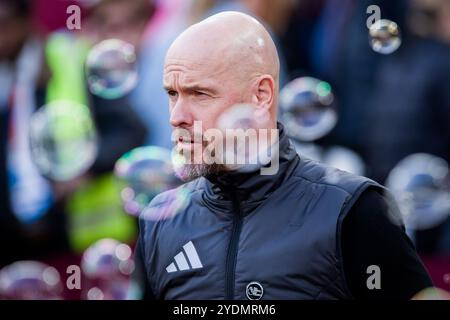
180	115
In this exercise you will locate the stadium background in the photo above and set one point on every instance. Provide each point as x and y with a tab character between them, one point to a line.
388	107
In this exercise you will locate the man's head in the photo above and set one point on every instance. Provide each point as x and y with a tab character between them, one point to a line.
122	19
431	18
227	59
275	13
15	26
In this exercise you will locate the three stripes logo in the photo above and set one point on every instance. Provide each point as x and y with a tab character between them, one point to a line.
181	263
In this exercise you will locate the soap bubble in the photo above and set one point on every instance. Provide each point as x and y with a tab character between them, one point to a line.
243	116
145	172
111	69
307	109
308	150
63	140
432	293
168	206
108	265
30	280
420	184
107	258
248	143
344	159
95	293
446	278
384	36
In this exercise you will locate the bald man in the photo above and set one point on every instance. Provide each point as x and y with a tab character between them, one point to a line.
239	234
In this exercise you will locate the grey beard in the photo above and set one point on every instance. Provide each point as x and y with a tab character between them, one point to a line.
191	172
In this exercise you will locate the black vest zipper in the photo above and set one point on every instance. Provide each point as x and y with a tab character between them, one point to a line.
230	267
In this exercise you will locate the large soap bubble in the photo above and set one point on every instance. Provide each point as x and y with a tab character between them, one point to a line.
307	108
420	184
111	69
145	172
63	140
108	265
30	280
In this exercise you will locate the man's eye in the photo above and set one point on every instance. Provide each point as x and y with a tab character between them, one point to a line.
200	93
172	93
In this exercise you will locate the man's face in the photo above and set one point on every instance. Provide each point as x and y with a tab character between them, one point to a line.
199	89
226	60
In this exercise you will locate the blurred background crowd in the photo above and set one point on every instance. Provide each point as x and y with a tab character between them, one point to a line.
392	111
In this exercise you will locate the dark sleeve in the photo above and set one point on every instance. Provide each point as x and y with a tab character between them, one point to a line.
140	274
370	238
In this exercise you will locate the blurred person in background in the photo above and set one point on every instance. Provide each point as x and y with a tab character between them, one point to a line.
149	98
411	91
118	19
92	201
27	224
275	15
123	126
298	38
41	217
341	55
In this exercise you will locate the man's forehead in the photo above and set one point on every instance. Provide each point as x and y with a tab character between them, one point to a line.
184	64
188	70
189	80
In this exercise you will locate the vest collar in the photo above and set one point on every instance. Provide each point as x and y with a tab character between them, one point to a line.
249	189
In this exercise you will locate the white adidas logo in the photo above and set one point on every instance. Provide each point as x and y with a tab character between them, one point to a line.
181	263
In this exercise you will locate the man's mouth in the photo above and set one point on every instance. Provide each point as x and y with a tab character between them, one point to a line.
187	142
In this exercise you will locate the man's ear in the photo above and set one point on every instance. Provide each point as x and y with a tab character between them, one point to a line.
264	92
